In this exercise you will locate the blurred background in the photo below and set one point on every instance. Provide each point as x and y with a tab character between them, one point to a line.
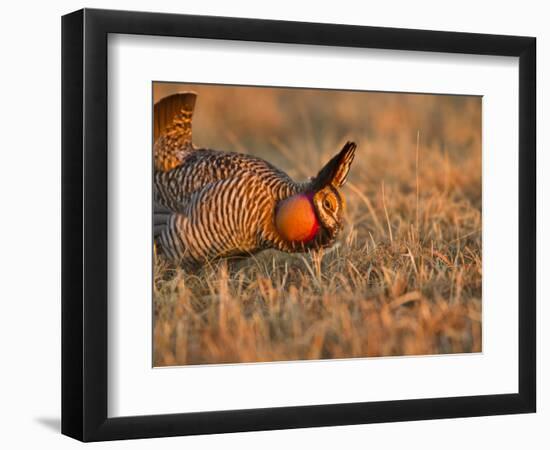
267	121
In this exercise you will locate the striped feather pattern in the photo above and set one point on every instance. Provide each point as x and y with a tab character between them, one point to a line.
224	205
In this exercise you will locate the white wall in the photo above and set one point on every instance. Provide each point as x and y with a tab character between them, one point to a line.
30	223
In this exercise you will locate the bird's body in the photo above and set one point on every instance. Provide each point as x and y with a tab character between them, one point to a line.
211	204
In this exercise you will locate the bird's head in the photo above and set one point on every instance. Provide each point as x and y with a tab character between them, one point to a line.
314	217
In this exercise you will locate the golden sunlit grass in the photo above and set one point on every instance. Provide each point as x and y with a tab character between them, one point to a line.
405	275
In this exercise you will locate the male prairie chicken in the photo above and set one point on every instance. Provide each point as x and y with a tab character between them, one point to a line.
211	204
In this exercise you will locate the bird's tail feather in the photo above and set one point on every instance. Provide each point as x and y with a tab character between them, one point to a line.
172	120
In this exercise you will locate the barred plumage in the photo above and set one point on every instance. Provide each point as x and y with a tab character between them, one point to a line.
211	204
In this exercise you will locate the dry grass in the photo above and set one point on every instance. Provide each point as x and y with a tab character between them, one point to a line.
405	276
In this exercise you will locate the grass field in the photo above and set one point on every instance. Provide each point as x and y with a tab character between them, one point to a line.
405	275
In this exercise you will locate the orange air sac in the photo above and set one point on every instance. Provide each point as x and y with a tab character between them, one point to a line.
295	219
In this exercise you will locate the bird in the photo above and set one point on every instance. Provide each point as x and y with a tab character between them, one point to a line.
210	204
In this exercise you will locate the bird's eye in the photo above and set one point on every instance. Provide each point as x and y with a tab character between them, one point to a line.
327	204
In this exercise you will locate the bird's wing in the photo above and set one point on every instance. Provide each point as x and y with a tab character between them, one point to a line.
202	168
213	222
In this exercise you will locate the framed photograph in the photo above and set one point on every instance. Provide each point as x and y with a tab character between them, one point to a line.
273	224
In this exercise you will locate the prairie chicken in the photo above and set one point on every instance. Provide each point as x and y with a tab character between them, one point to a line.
211	204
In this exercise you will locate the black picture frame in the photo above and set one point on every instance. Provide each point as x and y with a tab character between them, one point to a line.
84	224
